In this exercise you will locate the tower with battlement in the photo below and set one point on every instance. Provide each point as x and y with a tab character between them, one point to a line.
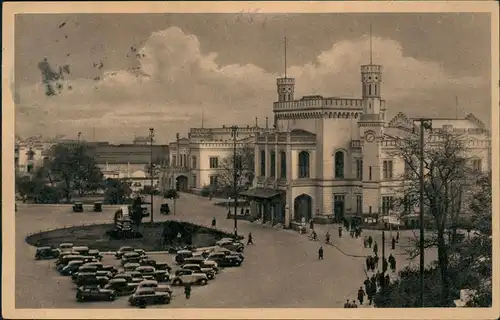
286	88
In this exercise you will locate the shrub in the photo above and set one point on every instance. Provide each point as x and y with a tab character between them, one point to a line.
205	191
171	194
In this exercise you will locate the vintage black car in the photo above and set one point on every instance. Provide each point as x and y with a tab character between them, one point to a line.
71	268
121	286
94	293
98	206
83	250
95	253
150	273
147	296
83	270
164	209
122	251
155	264
181	255
43	253
110	268
225	260
132	257
64	260
77	207
231	245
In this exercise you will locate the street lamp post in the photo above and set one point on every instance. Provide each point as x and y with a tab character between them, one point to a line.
425	123
151	171
175	166
234	134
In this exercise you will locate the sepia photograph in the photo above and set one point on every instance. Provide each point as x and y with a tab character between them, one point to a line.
165	159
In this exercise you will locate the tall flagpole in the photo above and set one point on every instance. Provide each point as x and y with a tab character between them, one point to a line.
285	57
371	45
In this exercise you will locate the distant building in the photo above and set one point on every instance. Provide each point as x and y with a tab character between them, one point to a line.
195	161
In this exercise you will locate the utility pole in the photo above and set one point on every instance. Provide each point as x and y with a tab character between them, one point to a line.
424	124
151	171
79	135
175	166
234	133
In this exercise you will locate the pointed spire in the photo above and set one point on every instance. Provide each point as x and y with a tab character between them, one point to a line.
371	45
285	57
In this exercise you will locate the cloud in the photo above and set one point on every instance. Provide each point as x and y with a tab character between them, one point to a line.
176	80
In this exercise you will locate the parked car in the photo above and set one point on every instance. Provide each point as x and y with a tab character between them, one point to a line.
86	278
131	266
121	286
98	206
148	296
164	209
181	255
154	284
131	257
66	246
184	276
136	276
78	207
228	252
98	265
142	252
150	273
196	268
43	253
123	250
83	250
104	273
210	264
82	270
225	260
86	293
95	253
125	276
231	245
163	266
194	260
64	260
71	268
110	268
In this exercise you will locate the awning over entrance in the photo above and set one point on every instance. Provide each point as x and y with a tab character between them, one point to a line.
261	193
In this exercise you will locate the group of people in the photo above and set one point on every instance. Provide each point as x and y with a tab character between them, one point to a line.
372	263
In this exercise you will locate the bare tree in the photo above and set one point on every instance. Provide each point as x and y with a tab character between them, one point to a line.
447	175
244	171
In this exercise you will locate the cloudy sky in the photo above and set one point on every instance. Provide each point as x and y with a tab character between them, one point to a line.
227	65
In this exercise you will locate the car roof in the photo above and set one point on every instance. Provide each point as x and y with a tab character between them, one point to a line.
81	248
148	281
183	251
126	247
117	280
190	265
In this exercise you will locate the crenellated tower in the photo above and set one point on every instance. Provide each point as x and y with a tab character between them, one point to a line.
286	88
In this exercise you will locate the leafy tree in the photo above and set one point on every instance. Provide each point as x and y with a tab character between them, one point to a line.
117	191
447	176
136	214
47	194
157	170
76	169
26	187
244	171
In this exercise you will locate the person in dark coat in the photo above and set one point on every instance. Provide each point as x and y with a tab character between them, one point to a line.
242	211
375	262
392	263
214	222
373	292
387	280
368	264
320	253
375	248
370	241
367	285
340	231
393	243
311	224
397	236
361	295
250	239
365	242
385	265
187	290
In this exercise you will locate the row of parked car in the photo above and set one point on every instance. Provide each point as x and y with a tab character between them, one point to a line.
146	280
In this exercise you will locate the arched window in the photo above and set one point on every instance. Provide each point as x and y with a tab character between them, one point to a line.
339	164
304	164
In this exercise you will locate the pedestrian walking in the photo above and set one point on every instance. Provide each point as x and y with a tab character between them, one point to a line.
250	239
385	265
214	222
311	224
393	243
320	253
365	242
387	281
370	241
327	238
361	295
351	233
375	248
367	284
187	290
368	266
373	292
340	231
397	236
347	304
242	211
392	263
375	262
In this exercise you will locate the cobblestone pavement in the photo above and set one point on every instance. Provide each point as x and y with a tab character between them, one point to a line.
281	270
